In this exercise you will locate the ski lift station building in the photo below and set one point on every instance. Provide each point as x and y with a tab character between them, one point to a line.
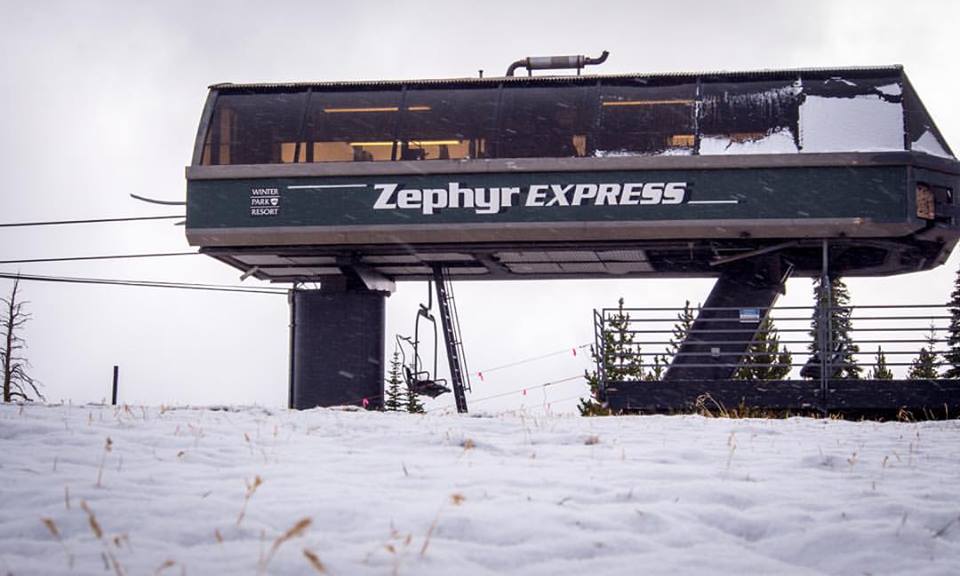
743	176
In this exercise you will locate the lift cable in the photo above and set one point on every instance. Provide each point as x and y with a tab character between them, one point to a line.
145	284
515	391
87	221
103	257
533	359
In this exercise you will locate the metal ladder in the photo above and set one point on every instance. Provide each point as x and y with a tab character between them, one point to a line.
450	325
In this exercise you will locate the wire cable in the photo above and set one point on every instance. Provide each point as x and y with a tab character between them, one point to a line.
511	392
87	221
144	284
531	359
104	257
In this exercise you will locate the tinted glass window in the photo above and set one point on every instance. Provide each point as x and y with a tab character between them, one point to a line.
852	114
251	128
447	124
645	120
749	117
349	126
924	136
545	122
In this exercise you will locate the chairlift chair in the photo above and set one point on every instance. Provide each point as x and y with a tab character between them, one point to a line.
417	379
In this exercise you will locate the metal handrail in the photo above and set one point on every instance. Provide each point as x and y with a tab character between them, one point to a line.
898	337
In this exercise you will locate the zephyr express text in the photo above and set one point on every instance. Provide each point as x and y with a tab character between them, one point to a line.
495	200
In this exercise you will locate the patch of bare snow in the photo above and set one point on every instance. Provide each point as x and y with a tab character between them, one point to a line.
176	491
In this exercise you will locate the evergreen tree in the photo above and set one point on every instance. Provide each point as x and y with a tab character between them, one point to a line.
680	330
952	355
660	363
413	404
924	366
765	359
880	370
842	358
621	361
393	402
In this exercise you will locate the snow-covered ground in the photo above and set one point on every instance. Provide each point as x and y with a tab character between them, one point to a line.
177	492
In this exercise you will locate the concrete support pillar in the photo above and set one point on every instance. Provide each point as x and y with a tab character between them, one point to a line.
337	347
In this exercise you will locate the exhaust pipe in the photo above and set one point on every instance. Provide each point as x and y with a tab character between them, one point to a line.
532	63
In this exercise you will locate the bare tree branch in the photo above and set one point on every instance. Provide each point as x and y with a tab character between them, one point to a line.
16	381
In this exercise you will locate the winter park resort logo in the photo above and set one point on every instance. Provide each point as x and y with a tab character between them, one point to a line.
264	201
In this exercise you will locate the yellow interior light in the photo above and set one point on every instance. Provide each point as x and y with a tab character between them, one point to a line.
435	142
647	102
351	110
368	144
375	109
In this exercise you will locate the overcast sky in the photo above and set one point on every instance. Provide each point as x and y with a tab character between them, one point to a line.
102	99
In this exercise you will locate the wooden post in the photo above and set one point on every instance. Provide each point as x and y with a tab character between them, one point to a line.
116	376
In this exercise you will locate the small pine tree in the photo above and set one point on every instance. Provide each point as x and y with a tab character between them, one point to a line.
843	355
621	362
684	323
924	366
765	359
412	403
655	374
880	371
393	401
952	356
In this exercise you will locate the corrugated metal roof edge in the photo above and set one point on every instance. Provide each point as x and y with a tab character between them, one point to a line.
762	73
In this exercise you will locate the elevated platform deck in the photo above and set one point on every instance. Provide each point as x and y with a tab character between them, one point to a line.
850	398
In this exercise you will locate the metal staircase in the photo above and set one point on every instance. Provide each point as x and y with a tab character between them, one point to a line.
450	325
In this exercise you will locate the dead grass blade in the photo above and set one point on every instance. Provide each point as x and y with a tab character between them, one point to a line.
92	519
251	489
294	531
314	561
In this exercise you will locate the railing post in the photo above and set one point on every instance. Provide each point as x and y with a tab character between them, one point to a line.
598	340
116	383
826	330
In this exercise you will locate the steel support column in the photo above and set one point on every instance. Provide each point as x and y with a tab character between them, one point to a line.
719	337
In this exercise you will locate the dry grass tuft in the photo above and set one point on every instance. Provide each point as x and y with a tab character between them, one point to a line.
55	532
314	561
294	531
251	489
92	520
110	559
166	564
591	440
52	527
456	499
468	444
107	448
904	415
